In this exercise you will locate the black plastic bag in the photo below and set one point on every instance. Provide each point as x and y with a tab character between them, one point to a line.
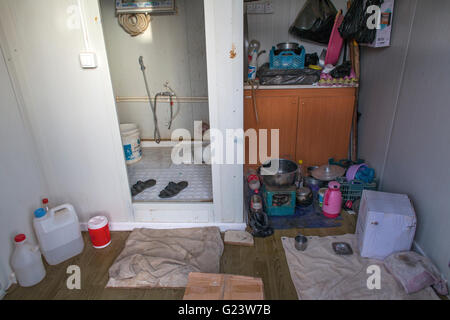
311	59
315	21
304	76
342	71
354	25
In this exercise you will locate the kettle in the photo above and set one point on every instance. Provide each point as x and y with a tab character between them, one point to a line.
332	203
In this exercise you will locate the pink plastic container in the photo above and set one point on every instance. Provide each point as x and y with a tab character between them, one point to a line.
332	203
336	42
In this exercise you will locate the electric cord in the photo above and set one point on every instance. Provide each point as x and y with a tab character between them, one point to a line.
134	23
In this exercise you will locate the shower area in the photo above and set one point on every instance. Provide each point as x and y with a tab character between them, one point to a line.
159	75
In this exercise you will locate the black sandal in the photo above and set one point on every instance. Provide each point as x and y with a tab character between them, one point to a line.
141	186
260	225
173	189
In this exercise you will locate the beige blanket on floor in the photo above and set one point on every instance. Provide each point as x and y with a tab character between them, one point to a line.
164	258
319	274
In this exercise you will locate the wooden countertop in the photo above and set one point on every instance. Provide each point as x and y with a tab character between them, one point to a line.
281	87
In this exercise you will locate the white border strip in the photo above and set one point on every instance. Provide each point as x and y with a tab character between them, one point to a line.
130	226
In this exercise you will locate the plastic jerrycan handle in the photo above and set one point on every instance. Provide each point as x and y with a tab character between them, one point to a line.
287	53
52	211
327	197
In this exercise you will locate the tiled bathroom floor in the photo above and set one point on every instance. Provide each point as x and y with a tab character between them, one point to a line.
156	164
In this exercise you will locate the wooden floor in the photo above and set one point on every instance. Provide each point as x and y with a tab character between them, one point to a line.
265	260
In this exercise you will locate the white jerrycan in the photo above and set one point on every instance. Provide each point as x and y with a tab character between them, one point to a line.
26	261
58	232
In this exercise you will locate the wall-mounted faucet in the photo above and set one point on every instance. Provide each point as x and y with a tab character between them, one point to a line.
170	95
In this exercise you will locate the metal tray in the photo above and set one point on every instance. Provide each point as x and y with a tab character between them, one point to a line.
342	248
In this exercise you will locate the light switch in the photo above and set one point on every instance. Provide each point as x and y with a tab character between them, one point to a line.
88	60
269	8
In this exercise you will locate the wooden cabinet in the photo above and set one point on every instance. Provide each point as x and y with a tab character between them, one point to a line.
273	113
314	124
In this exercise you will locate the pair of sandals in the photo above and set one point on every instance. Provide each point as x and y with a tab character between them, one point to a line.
170	191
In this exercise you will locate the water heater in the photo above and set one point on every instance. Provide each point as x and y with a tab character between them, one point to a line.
152	7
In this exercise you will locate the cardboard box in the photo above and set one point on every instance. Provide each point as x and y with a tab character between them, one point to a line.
383	35
386	224
209	286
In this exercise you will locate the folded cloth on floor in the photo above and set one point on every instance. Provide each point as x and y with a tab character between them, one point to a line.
320	274
164	258
415	272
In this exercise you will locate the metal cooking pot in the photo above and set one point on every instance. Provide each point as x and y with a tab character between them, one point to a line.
311	169
313	183
310	181
288	46
304	196
285	175
328	172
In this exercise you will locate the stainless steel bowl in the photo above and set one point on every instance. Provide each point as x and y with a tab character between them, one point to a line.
284	176
288	46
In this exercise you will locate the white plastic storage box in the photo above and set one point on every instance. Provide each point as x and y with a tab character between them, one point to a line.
386	224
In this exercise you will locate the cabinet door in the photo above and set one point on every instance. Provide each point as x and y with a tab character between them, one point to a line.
274	112
324	125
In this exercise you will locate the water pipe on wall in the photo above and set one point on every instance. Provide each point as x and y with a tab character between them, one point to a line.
157	133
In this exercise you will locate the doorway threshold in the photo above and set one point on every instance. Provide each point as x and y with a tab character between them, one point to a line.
174	212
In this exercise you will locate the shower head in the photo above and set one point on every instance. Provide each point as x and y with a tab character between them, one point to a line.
141	62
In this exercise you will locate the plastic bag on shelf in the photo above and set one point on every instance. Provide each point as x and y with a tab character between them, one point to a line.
354	25
315	21
342	71
311	59
305	76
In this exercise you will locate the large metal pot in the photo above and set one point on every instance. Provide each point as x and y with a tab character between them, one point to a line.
288	46
284	176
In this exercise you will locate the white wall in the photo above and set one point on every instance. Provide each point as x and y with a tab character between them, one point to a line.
174	50
224	25
71	111
405	131
271	29
378	96
22	184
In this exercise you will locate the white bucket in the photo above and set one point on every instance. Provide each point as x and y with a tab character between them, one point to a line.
131	142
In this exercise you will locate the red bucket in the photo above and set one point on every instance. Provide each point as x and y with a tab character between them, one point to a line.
98	228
